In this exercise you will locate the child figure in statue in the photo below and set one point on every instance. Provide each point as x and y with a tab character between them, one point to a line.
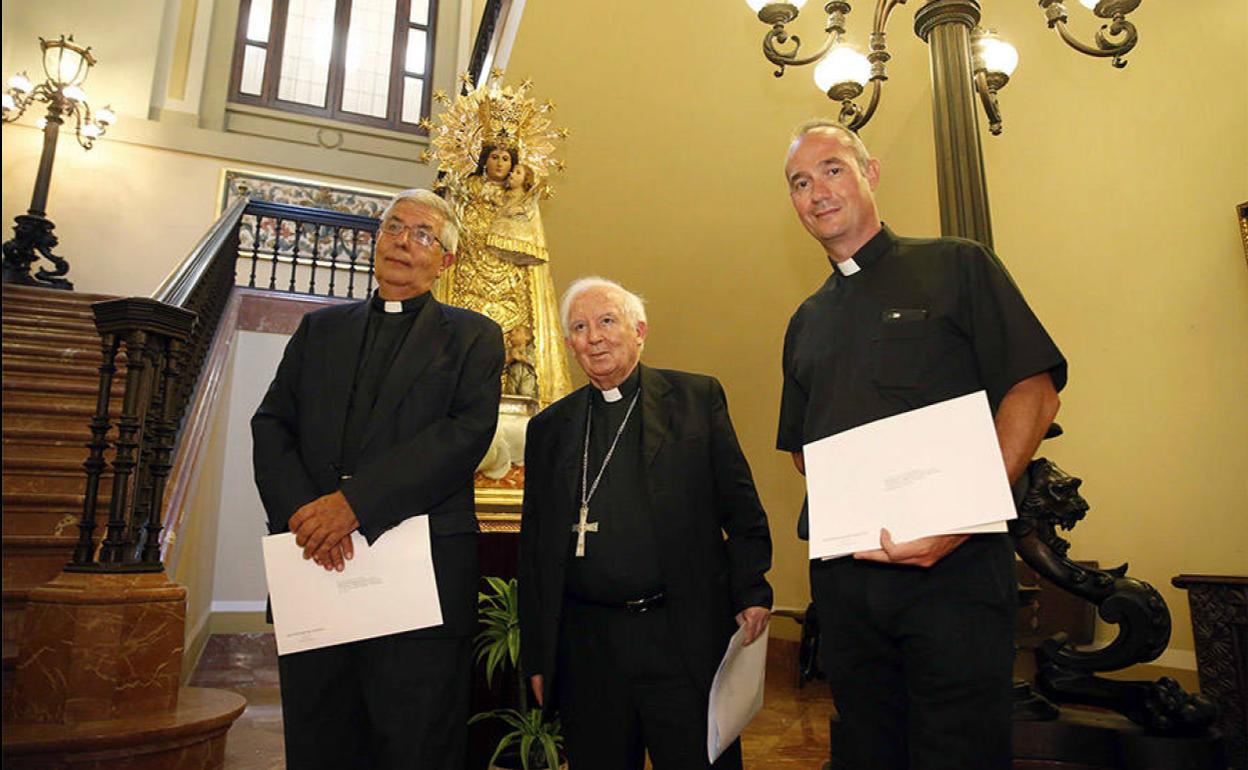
502	267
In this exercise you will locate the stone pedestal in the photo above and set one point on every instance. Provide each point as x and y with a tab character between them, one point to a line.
99	647
97	681
188	737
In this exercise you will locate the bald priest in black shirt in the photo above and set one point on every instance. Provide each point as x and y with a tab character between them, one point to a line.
918	635
643	546
380	411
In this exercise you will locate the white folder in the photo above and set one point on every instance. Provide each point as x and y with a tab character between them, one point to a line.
930	471
736	692
385	589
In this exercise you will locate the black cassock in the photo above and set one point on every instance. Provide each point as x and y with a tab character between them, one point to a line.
678	517
396	411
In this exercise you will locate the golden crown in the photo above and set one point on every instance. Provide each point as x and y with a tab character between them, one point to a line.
492	115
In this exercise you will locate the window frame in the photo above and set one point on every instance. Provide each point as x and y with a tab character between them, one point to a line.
332	110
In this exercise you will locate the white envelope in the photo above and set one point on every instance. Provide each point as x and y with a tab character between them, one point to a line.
385	589
930	471
736	692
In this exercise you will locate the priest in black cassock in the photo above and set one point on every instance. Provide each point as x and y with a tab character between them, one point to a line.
918	635
381	410
643	546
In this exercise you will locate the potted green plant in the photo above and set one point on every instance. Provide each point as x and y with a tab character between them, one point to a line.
532	742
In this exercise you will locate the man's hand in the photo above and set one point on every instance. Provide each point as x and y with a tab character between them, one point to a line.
337	557
536	681
923	552
321	525
754	619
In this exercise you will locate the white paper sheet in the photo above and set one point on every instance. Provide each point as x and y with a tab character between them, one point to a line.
736	692
930	471
385	589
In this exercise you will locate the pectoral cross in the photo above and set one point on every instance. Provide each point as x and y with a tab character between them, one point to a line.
581	527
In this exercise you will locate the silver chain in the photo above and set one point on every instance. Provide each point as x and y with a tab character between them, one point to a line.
587	495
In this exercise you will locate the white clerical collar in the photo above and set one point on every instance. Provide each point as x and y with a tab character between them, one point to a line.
392	306
848	266
612	395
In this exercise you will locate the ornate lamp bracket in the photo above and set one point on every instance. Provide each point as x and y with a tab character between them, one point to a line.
987	84
852	115
1114	39
779	14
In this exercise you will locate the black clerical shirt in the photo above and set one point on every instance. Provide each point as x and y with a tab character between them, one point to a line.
922	321
621	559
383	336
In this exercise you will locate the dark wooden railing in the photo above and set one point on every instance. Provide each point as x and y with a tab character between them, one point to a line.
164	339
296	246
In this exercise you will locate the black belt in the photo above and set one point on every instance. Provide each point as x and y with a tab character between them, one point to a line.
634	606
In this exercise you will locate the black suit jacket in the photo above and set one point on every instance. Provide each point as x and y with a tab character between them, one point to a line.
433	421
700	489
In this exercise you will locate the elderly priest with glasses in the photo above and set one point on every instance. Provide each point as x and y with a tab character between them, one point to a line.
380	411
643	546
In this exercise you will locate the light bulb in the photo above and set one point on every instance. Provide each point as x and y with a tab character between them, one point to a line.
74	93
1089	4
41	123
106	116
842	64
996	55
9	104
20	83
92	131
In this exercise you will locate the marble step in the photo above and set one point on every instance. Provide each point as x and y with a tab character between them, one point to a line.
191	736
47	429
50	384
55	367
16	296
50	502
29	562
72	450
52	338
54	404
33	440
43	476
50	318
88	354
24	311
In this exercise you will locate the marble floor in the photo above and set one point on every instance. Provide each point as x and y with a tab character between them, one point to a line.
791	732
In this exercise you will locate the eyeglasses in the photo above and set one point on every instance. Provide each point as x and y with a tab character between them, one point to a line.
418	233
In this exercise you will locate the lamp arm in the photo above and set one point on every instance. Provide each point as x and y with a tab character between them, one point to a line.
778	35
883	10
82	114
1114	39
988	97
852	116
20	104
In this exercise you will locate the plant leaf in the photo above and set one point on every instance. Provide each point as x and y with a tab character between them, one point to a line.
503	743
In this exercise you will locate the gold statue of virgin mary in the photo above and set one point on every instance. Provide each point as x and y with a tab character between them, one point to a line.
494	150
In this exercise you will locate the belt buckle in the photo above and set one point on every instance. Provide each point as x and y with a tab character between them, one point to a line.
638	606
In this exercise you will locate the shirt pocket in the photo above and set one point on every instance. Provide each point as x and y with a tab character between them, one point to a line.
901	347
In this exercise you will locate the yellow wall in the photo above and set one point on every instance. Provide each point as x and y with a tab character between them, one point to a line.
170	200
1113	203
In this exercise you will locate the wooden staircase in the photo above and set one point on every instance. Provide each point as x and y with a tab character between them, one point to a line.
51	375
